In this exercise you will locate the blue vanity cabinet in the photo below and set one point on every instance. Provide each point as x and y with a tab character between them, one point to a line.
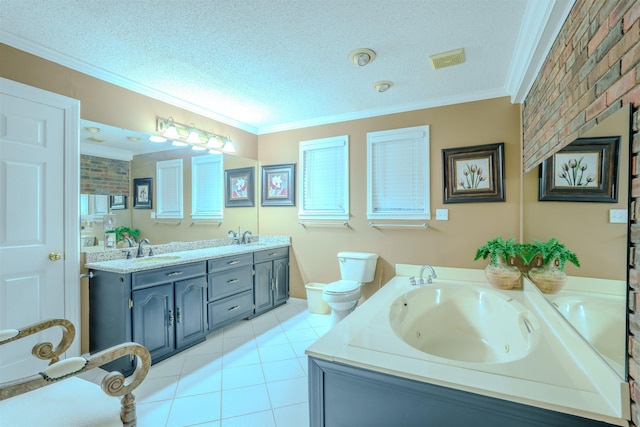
343	395
230	281
271	279
169	308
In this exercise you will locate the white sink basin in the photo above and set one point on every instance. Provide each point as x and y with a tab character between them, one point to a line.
152	259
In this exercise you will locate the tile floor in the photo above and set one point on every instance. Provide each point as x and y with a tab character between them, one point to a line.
252	373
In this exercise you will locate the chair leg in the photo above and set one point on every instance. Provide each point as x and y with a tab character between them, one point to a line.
128	411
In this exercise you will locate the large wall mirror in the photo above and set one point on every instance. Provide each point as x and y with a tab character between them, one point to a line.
596	306
101	141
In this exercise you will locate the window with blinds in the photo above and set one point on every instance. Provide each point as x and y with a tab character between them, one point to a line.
169	177
398	174
207	186
324	173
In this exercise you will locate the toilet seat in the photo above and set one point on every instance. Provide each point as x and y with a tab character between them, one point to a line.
341	287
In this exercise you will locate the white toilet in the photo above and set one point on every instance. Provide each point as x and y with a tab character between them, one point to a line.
356	269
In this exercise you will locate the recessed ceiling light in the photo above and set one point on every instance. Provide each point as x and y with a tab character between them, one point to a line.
96	139
133	138
382	86
362	57
156	138
92	129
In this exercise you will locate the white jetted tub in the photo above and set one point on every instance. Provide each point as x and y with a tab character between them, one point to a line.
464	323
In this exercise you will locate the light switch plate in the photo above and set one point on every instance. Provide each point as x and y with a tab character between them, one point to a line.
618	216
153	215
442	214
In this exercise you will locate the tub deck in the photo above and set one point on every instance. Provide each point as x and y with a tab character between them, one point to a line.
561	373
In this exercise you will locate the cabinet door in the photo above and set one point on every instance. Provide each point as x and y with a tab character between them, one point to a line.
191	311
263	293
153	320
281	277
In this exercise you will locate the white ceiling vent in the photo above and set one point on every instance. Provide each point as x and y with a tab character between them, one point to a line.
447	59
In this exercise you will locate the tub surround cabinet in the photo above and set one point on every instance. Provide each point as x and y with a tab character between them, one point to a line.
271	279
343	395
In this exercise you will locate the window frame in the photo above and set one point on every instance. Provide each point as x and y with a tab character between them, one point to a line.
163	169
398	136
196	162
319	144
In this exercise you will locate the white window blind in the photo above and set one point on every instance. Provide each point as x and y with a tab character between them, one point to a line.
325	178
169	176
398	174
207	187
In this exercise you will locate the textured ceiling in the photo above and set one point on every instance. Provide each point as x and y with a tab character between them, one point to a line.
269	65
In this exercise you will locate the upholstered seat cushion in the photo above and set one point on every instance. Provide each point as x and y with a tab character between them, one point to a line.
72	402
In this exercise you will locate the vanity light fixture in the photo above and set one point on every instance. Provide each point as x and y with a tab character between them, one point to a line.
382	86
193	137
183	135
170	131
362	57
228	146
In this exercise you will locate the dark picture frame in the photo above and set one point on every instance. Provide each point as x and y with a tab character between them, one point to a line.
143	193
278	185
117	202
586	170
239	187
473	174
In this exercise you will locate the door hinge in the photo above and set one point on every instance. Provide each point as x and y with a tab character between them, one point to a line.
130	303
253	272
254	306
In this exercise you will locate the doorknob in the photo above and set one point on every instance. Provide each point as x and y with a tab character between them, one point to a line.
55	256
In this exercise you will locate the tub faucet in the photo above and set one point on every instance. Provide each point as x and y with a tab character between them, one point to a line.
140	251
430	277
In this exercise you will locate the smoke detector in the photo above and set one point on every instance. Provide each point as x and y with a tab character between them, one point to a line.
447	59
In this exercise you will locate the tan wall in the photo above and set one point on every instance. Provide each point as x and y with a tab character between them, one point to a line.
109	104
445	243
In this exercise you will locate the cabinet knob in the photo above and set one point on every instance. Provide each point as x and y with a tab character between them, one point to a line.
55	256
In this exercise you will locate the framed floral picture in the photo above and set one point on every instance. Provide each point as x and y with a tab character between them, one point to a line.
143	193
240	187
584	171
473	174
278	185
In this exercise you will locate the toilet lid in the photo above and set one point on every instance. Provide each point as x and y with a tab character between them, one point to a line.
341	286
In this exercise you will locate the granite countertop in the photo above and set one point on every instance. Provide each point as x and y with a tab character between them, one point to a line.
115	261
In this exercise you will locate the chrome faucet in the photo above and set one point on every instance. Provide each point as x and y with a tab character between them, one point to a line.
140	251
246	237
430	277
128	240
234	236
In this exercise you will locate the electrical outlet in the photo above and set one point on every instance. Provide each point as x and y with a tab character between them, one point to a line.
617	216
442	214
153	215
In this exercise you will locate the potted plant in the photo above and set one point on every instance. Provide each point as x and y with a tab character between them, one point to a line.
122	232
549	259
501	271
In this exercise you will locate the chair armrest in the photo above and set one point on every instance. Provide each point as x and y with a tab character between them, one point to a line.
45	350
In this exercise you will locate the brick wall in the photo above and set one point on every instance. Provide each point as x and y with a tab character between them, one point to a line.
99	175
591	71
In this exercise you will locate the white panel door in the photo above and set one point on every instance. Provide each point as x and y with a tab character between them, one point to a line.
32	223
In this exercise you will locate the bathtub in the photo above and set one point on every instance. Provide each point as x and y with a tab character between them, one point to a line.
461	333
595	316
473	324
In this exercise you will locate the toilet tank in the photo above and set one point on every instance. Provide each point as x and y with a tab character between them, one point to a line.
357	266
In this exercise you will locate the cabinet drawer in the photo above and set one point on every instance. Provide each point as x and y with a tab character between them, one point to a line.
167	274
270	254
230	282
229	262
228	309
